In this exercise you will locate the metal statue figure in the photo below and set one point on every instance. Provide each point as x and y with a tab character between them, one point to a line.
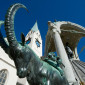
55	61
27	63
69	51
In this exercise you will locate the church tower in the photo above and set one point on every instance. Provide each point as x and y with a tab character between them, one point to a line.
34	41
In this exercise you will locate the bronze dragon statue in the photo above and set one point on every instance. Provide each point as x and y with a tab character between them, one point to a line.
27	63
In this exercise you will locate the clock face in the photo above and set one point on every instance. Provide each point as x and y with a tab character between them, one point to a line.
28	41
37	43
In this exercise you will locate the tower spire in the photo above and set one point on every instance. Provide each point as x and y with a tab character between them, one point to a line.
34	41
35	27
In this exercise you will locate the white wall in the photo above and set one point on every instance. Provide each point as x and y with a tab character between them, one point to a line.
8	64
11	76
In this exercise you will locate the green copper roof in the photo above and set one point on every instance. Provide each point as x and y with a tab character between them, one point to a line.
35	27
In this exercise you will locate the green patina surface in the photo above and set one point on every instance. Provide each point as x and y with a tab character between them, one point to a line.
54	61
27	63
35	27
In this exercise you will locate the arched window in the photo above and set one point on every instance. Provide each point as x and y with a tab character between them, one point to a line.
3	76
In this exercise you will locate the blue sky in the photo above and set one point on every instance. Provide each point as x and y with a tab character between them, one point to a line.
44	11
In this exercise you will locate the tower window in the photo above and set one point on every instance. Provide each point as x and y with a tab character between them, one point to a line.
3	76
37	43
28	41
